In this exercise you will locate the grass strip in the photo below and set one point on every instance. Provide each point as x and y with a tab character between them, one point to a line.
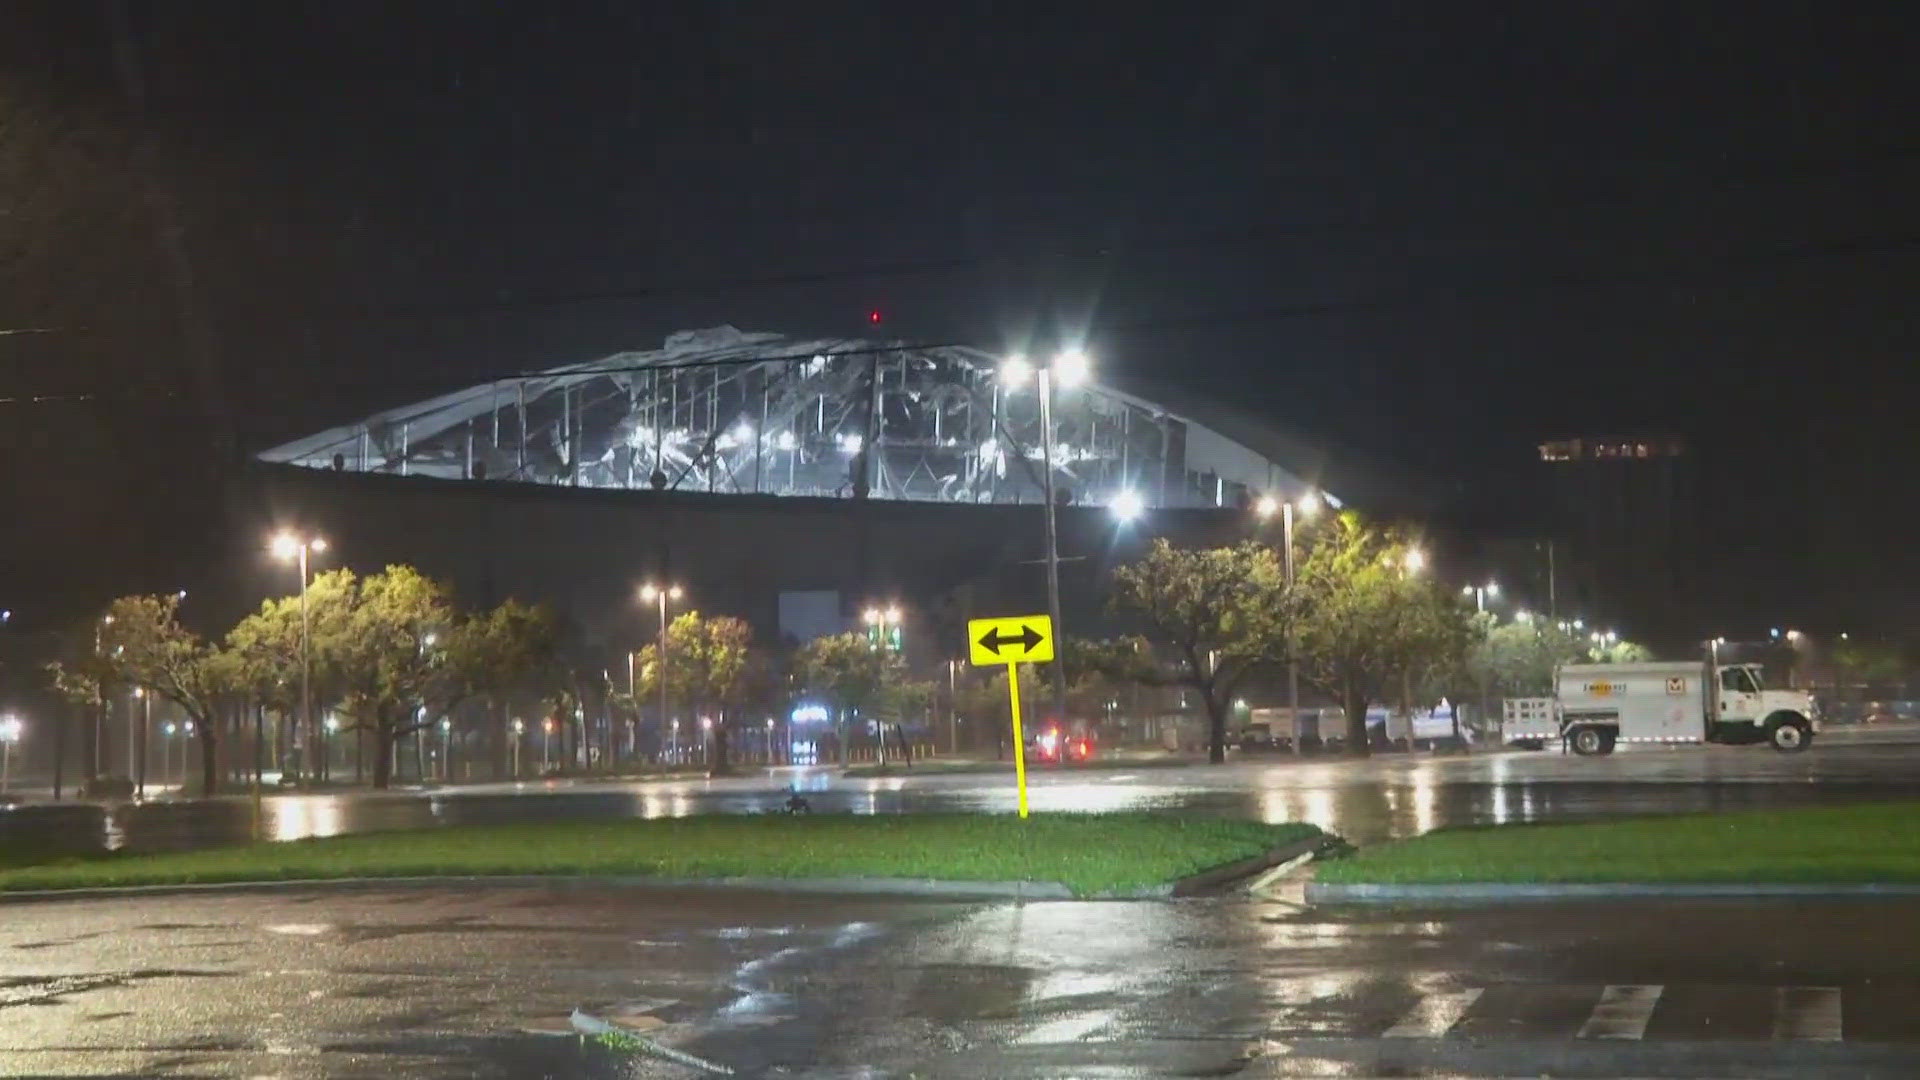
1872	842
973	768
1089	853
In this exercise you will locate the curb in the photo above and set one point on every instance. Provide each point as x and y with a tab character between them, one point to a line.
913	888
1221	878
1489	892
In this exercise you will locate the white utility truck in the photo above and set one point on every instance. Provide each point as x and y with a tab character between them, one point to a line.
1598	705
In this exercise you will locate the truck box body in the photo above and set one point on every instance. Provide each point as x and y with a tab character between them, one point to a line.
1650	702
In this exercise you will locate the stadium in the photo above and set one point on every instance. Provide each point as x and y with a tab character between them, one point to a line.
792	481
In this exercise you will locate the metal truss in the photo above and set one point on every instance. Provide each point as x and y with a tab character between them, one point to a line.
728	412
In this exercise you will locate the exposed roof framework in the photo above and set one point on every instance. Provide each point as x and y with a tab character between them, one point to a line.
724	411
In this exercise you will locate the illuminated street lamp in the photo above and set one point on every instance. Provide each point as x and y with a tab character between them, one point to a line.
660	594
1481	594
292	547
1069	368
1416	560
519	729
884	626
10	728
1126	506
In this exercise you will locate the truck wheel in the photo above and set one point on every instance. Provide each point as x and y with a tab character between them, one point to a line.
1789	734
1588	741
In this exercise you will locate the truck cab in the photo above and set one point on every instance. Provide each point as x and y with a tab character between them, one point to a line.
1740	709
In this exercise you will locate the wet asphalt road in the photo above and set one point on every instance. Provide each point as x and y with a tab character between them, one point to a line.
416	983
1366	801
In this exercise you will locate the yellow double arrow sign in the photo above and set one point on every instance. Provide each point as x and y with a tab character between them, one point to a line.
1021	639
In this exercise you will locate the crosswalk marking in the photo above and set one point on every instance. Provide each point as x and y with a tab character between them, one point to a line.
1807	1013
1622	1013
1432	1015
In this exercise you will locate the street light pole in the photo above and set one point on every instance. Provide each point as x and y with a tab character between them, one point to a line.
953	707
880	619
650	591
306	662
146	732
1293	662
133	751
1307	504
1053	537
100	703
9	734
296	548
1068	368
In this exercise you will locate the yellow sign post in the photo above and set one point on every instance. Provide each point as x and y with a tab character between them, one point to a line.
1022	639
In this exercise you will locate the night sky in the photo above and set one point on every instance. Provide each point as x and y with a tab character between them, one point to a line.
1427	234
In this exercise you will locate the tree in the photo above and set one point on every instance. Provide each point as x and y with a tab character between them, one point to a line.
984	704
906	699
512	648
1445	636
849	671
144	645
711	665
1220	612
390	657
265	649
707	665
1364	618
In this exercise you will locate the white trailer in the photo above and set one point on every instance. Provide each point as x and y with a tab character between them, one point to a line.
1596	706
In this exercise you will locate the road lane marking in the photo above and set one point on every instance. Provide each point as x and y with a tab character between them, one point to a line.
1432	1015
1810	1013
1622	1013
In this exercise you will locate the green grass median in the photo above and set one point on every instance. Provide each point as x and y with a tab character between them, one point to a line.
1089	853
937	767
1876	842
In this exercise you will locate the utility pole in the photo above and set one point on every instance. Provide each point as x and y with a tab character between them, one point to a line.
1293	662
1553	585
1053	540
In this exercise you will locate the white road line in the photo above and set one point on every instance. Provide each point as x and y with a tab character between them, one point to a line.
1433	1015
1807	1012
1622	1013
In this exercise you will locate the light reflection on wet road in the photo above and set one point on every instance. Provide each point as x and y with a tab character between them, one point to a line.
1362	800
476	982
